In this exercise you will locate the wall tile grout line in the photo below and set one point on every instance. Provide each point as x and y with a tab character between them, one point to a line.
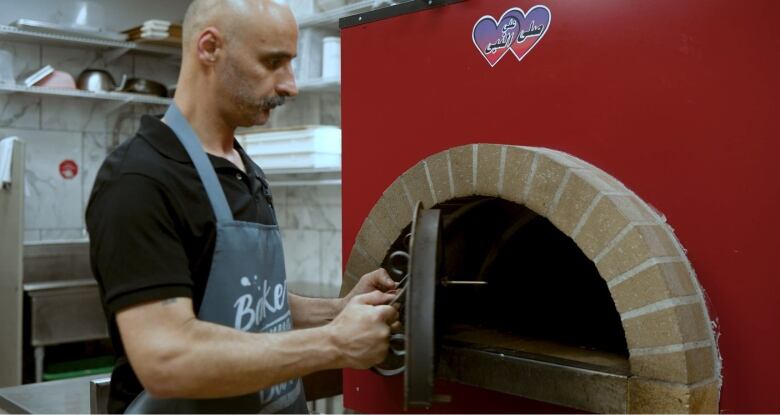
379	232
350	276
474	162
430	183
530	179
501	167
408	195
365	254
672	348
618	238
660	306
586	215
559	193
640	268
449	173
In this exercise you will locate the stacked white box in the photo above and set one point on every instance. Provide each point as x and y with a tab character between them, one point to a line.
295	148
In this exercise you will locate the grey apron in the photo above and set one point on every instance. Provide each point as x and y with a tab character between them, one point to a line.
246	290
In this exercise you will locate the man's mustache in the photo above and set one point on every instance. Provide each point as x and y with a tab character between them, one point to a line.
269	103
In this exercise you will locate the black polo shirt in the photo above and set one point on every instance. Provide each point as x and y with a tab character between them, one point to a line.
152	228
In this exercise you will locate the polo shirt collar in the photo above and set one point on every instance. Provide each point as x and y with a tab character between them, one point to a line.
160	136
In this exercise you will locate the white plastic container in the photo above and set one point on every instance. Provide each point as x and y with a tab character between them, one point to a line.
309	64
303	148
331	57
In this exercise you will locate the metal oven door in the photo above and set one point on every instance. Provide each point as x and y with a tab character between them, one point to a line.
413	351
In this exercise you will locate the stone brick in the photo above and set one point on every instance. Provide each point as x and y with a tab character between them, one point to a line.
396	203
705	399
571	161
637	246
564	159
358	264
373	242
547	178
517	167
462	162
416	182
656	283
348	281
650	396
611	214
488	167
675	325
438	167
384	222
577	195
688	366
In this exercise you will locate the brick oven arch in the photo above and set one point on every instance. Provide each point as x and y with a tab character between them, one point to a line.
673	356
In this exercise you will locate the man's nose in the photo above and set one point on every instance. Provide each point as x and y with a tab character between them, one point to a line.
286	86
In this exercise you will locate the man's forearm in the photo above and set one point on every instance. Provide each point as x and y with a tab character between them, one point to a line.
212	361
313	312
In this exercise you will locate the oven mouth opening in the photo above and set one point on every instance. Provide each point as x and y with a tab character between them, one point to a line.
543	302
540	285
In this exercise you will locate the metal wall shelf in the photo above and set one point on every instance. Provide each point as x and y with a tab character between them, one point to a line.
13	33
122	97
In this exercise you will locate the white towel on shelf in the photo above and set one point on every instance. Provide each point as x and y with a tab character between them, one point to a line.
6	156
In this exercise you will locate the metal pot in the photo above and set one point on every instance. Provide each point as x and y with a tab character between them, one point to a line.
95	80
143	86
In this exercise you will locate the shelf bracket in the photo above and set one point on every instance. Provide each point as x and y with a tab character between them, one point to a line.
116	105
113	54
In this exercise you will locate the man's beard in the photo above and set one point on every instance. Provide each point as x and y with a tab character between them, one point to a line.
249	107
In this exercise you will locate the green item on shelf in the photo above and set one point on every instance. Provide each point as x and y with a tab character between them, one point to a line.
78	368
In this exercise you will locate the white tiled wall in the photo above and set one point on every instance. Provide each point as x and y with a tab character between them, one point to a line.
62	128
310	217
81	130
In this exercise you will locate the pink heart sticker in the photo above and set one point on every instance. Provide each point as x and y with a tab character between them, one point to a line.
494	38
516	31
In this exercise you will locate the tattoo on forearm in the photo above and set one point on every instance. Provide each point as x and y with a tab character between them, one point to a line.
168	301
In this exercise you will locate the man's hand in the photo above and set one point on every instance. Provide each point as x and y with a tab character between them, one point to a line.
377	280
361	332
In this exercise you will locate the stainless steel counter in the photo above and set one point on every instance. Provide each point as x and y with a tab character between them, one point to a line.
70	396
64	300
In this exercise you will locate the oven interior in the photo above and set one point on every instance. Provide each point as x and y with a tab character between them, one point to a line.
540	298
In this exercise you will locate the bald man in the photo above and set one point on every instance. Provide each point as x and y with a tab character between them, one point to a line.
153	231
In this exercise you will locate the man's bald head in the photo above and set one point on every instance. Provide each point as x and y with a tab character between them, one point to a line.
238	57
230	16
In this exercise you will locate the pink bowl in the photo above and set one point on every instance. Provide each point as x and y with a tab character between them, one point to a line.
58	79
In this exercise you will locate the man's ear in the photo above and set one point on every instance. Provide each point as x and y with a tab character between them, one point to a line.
209	45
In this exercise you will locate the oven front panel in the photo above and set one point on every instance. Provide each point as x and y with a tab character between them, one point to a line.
676	100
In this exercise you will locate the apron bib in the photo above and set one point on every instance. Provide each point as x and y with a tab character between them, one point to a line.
246	290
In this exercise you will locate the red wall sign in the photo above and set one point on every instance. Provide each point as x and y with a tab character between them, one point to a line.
69	169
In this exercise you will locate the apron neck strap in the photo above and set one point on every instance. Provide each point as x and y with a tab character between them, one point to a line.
179	124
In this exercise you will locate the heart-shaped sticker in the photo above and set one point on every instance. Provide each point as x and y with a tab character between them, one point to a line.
494	38
516	31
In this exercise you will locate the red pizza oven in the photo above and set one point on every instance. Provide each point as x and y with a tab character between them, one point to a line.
599	193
